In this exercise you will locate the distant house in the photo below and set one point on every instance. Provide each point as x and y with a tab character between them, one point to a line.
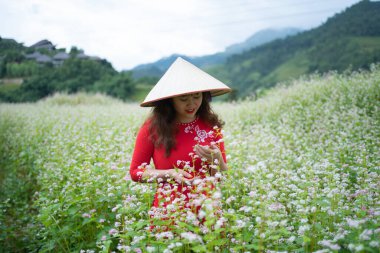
33	56
38	57
82	55
44	59
43	44
60	57
95	58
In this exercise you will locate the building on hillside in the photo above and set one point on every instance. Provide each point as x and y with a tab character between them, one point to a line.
60	57
43	59
82	55
95	58
39	58
44	44
33	56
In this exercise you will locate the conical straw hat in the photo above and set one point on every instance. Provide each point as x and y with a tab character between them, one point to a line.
183	78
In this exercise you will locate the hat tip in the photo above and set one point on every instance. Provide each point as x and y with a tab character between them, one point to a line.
179	58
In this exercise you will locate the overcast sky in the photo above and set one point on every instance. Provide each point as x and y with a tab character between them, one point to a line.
132	32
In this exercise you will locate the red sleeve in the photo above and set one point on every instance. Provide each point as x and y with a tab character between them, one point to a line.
142	153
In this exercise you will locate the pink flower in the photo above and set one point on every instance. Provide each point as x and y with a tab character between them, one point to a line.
86	215
112	231
127	177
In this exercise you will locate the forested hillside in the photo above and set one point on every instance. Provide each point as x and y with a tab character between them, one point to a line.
31	73
349	40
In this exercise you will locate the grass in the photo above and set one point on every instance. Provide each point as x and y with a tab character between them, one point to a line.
293	68
7	87
80	98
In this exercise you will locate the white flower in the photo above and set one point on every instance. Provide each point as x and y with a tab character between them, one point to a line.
230	199
302	229
330	245
169	235
291	239
240	223
353	223
366	235
250	168
191	237
150	249
197	181
217	195
359	248
201	214
219	223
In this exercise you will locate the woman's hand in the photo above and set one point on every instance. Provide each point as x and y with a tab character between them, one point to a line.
213	155
210	153
180	176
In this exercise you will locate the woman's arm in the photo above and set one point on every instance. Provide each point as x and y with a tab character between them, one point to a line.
142	156
142	153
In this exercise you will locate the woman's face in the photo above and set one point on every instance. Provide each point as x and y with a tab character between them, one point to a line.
186	106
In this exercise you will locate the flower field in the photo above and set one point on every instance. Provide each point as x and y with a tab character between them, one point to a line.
304	175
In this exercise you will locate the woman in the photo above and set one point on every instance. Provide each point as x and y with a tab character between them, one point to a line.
183	137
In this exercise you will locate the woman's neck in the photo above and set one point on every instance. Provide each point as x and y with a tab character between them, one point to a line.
185	120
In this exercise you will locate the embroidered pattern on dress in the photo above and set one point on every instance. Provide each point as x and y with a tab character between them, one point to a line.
202	134
189	129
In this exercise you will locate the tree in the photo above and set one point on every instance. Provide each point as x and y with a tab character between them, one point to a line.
120	86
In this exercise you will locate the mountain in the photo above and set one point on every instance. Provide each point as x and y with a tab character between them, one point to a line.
156	69
260	38
348	40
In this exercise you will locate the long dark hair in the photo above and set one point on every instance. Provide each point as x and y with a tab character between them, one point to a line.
163	128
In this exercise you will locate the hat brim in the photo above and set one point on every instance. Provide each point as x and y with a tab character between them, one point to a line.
182	78
214	93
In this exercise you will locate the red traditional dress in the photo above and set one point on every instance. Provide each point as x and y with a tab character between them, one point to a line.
172	197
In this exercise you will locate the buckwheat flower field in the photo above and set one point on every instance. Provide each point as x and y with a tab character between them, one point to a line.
303	175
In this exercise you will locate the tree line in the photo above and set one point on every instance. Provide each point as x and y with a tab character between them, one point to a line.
73	75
